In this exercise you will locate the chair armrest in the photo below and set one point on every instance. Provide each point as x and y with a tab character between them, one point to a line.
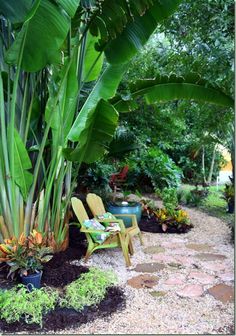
91	231
132	216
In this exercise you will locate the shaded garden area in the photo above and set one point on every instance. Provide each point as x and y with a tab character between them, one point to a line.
115	117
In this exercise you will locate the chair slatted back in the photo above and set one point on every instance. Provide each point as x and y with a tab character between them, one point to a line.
95	204
79	209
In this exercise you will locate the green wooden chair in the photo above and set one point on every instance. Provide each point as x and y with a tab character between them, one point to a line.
97	208
115	239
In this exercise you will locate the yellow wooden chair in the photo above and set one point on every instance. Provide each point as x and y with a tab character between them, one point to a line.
96	205
116	239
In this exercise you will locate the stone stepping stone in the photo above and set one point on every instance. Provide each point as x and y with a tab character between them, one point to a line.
171	245
227	276
216	267
175	279
202	277
153	249
222	292
185	261
157	294
143	281
199	247
183	251
163	258
149	267
191	291
210	256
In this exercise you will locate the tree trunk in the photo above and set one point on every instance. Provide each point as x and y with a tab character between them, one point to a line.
212	165
203	166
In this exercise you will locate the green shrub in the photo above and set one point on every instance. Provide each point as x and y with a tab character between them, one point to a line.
169	198
88	290
18	304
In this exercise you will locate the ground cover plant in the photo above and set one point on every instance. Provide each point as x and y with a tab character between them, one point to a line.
171	218
95	289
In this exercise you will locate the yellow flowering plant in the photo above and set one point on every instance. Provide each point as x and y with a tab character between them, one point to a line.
25	255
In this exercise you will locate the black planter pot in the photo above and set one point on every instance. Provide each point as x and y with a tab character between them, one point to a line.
32	281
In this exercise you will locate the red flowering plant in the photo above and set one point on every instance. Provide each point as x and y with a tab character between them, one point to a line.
25	255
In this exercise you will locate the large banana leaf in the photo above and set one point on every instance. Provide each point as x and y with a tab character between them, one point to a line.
95	134
22	164
46	29
93	60
164	89
105	88
63	106
15	10
137	32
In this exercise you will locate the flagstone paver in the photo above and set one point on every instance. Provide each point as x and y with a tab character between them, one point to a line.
185	261
222	292
165	258
149	267
215	267
176	291
191	291
210	256
153	249
199	247
143	281
158	293
202	277
229	276
175	279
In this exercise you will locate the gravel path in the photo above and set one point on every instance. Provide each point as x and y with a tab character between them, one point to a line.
193	263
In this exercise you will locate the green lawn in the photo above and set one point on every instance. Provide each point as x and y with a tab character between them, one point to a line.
214	203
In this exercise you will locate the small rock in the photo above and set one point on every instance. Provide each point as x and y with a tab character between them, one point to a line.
210	256
199	247
133	198
158	293
149	267
191	291
143	281
222	292
175	265
202	277
153	249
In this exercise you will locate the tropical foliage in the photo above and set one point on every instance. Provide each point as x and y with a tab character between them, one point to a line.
57	99
49	51
26	254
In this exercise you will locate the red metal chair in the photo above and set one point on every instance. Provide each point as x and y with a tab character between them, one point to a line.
117	179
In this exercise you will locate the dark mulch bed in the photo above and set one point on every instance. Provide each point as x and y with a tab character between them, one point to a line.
152	225
62	318
58	272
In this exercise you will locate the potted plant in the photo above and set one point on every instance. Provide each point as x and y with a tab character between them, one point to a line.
25	256
126	205
229	196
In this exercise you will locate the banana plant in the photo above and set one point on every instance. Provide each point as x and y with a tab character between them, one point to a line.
50	52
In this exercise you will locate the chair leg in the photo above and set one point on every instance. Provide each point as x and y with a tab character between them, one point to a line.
140	238
88	254
131	249
125	252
